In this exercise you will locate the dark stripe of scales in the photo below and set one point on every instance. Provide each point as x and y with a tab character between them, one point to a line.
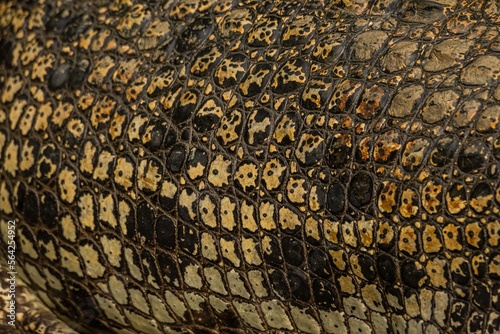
251	166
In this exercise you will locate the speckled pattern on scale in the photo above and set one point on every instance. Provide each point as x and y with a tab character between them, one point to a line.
241	166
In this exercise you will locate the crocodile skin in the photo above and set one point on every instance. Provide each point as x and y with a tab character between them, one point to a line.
242	166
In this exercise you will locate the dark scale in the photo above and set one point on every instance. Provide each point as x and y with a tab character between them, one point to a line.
156	137
339	150
413	274
60	20
79	73
472	157
481	296
188	239
20	197
175	158
60	76
293	251
299	284
360	189
165	232
387	268
31	208
325	294
195	34
318	263
242	167
145	222
169	268
279	283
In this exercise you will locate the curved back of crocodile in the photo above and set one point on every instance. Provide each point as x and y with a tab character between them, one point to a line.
243	166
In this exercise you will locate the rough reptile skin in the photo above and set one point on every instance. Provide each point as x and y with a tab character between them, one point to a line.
251	166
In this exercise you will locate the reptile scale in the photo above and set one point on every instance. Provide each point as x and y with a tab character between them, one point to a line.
241	166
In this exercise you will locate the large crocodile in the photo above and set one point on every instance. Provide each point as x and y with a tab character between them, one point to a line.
241	166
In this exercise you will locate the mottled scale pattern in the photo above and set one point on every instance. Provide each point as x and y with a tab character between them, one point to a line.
241	166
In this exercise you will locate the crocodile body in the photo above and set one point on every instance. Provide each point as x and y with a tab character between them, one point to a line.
243	166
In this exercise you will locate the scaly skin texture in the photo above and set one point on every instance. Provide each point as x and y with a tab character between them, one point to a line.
242	166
